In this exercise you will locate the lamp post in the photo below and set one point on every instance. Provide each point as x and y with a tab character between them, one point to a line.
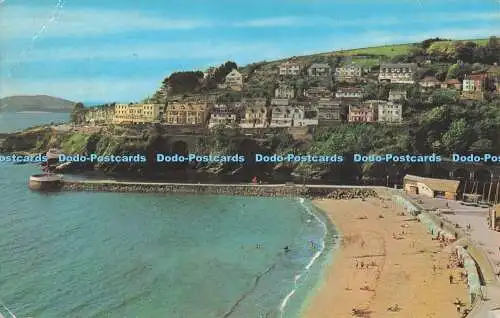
491	183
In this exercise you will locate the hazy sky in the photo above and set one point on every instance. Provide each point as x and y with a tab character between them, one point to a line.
110	50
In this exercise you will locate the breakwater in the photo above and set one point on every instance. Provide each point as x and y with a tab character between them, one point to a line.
267	190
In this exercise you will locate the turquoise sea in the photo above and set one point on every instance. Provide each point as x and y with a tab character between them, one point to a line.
145	255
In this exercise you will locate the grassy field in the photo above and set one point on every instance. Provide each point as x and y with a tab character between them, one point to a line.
385	50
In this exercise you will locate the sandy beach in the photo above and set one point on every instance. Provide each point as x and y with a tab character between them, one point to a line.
385	260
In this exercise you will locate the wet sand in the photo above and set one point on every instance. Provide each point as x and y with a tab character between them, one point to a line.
373	270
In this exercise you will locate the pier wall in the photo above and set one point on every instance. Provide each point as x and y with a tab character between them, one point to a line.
279	190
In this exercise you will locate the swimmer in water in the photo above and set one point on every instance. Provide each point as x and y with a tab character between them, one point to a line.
287	249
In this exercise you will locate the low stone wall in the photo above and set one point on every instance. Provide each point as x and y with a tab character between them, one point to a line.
221	189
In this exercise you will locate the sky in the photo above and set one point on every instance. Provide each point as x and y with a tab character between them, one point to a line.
121	50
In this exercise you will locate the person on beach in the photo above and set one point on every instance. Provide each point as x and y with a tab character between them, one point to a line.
451	278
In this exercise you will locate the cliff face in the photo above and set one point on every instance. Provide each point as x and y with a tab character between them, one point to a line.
151	141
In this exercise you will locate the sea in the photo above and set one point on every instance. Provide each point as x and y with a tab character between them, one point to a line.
148	255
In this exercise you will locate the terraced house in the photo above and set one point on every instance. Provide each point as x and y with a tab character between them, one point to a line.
365	112
282	116
137	113
397	94
348	73
349	93
256	113
187	113
329	111
284	91
390	112
319	70
290	68
222	115
399	73
317	92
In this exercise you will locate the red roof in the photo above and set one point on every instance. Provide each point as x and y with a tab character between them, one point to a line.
478	76
429	79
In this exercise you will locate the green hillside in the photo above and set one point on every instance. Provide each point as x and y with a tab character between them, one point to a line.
35	103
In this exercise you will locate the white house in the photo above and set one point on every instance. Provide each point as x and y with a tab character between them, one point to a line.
289	68
399	73
348	73
284	91
222	115
349	92
234	80
390	112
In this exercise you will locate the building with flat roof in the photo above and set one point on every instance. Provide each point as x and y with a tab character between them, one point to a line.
136	113
430	187
398	73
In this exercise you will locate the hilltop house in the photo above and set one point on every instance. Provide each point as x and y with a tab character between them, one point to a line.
187	113
136	113
429	82
397	94
222	115
289	68
349	92
348	73
234	80
365	112
430	187
493	74
319	70
317	92
209	73
390	112
284	91
329	111
99	115
399	73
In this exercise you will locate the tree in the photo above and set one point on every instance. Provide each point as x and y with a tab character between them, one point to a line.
465	51
458	71
425	44
224	69
455	139
77	115
184	82
443	97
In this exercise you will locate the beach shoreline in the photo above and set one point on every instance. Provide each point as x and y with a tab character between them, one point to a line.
394	251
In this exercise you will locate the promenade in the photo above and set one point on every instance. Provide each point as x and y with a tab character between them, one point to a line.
485	241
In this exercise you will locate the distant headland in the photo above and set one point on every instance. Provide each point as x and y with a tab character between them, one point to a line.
39	103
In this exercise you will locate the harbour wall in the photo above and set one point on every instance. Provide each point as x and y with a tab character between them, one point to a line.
267	190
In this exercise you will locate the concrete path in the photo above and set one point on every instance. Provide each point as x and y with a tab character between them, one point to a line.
483	238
